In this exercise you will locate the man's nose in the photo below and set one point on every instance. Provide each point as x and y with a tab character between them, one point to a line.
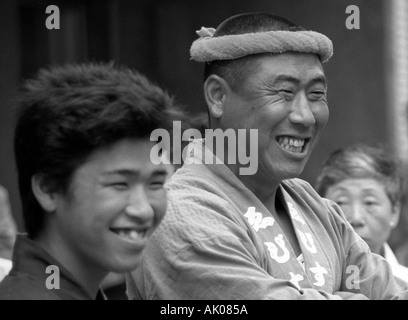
356	216
139	206
301	112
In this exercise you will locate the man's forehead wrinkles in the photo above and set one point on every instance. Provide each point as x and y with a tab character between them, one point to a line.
286	78
298	80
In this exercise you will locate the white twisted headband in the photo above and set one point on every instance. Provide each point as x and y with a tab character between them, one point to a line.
209	48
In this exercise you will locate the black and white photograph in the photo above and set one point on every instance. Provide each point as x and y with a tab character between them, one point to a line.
203	154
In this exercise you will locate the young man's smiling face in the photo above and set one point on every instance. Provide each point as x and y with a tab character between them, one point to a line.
284	97
114	202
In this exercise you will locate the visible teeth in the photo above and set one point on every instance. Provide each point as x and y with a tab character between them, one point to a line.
132	234
291	144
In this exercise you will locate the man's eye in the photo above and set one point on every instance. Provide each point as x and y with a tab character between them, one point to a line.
341	202
315	95
118	185
287	94
318	93
286	91
157	185
370	203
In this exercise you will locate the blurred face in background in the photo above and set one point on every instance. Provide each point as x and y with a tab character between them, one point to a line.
368	208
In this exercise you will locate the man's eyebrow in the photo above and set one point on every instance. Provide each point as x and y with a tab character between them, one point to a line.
160	172
370	189
123	172
287	78
319	79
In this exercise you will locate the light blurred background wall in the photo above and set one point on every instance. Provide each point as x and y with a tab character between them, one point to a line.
154	36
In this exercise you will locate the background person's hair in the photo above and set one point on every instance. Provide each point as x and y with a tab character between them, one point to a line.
67	112
234	71
361	161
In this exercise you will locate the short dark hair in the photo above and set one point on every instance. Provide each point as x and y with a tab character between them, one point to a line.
67	112
233	71
361	161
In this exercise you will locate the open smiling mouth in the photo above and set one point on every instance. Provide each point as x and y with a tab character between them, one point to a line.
295	145
130	234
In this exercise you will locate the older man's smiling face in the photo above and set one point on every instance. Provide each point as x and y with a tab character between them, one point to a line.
284	97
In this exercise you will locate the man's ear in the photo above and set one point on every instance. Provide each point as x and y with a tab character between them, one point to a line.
45	197
396	212
215	91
